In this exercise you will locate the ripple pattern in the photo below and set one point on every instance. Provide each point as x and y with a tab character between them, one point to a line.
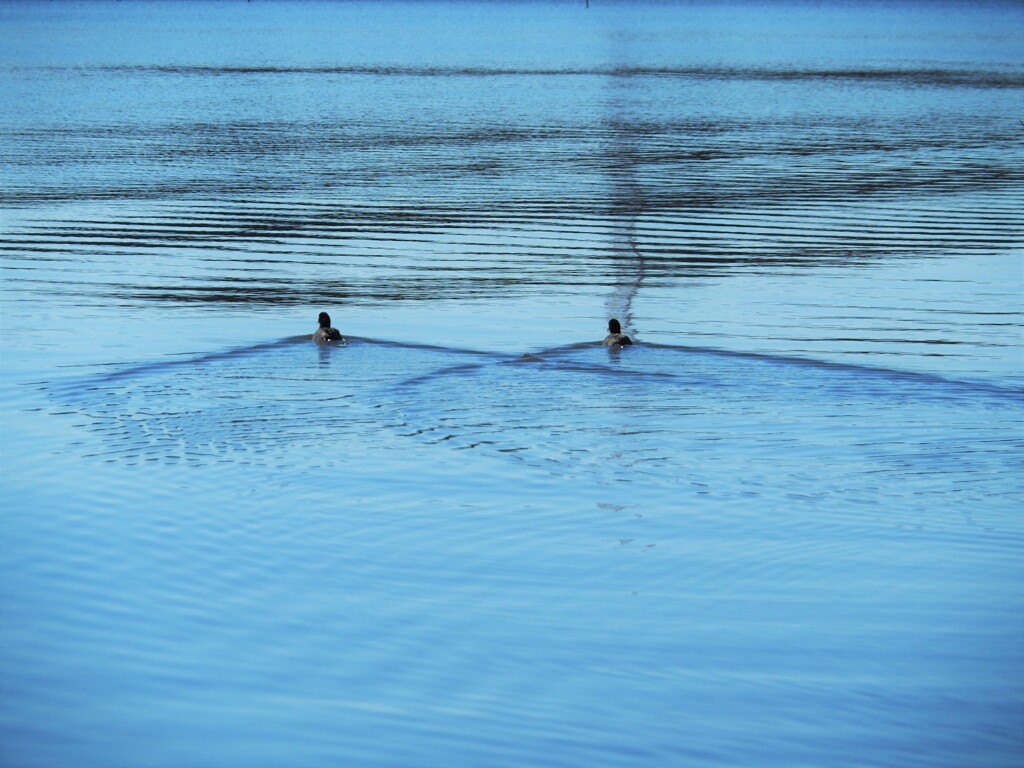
848	437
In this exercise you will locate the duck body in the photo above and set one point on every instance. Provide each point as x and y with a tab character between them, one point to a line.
325	332
617	338
615	335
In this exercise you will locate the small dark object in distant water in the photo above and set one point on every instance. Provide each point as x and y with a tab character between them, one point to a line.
615	335
325	332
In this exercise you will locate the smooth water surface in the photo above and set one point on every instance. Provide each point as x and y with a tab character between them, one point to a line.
781	529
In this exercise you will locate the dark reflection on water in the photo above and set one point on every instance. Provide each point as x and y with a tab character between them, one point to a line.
764	160
973	78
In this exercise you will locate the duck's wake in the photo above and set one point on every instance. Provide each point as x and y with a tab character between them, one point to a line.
661	415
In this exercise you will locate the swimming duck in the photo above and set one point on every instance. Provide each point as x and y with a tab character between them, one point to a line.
325	332
615	335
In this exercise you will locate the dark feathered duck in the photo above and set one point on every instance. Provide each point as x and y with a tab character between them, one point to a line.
325	332
615	335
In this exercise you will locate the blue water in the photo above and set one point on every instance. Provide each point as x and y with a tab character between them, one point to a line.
782	529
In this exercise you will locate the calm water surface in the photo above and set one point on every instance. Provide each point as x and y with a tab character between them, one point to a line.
782	529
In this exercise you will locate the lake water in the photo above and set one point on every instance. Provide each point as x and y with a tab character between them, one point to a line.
783	529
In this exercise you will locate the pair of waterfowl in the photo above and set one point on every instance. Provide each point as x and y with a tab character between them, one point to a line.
326	333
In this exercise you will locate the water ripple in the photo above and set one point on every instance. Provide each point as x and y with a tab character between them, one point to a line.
732	423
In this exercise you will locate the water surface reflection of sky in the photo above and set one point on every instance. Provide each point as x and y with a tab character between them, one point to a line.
781	529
